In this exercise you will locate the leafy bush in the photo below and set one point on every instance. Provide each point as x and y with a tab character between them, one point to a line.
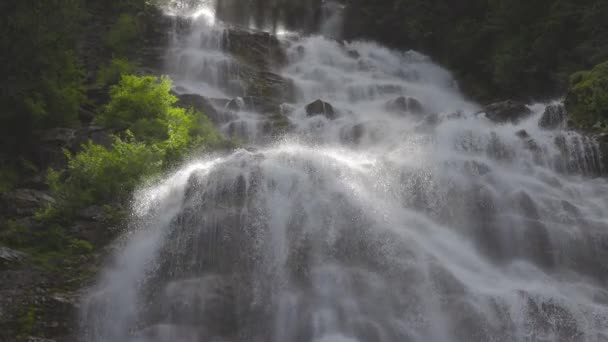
156	136
99	175
587	99
122	34
137	98
187	130
111	74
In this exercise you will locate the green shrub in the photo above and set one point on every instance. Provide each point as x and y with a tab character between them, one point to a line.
187	130
122	34
587	99
110	74
157	136
100	175
136	98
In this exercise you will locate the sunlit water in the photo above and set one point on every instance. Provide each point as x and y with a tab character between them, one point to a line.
373	226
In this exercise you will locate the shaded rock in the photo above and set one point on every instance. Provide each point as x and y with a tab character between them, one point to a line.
95	134
403	104
10	256
53	142
385	89
506	111
93	213
319	107
199	103
262	105
24	202
354	54
529	143
523	134
236	105
553	117
61	136
353	134
92	230
255	47
476	168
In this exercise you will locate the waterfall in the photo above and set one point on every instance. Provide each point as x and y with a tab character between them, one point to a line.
398	211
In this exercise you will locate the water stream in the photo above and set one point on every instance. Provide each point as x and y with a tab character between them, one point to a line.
430	223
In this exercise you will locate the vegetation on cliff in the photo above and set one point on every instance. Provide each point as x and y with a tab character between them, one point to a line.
587	99
498	48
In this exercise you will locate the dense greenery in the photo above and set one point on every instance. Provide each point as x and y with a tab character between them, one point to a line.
156	136
587	99
498	48
43	81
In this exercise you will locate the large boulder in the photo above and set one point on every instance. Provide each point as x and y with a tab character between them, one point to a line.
506	111
405	104
199	103
96	134
258	48
319	107
554	117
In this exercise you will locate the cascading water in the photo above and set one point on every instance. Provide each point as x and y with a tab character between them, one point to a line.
402	216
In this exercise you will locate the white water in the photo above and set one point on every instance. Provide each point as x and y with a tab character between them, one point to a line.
375	226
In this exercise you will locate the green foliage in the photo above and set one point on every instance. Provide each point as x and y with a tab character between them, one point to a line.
187	130
158	135
497	48
41	83
587	99
137	98
100	175
111	74
27	321
122	34
46	244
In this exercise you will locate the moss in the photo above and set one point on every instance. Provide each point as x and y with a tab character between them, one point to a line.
27	321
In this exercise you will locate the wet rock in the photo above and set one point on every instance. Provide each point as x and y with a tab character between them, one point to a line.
52	143
96	134
529	143
353	134
523	134
354	54
319	107
93	213
199	103
506	111
403	104
236	105
553	117
24	202
476	168
10	256
263	105
255	47
571	209
61	136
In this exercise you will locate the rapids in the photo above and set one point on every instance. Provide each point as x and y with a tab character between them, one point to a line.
373	226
